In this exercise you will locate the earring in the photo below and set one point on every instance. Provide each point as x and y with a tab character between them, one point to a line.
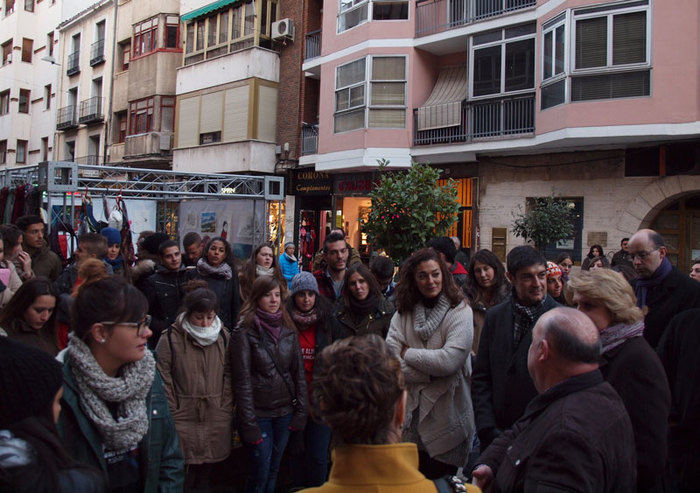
102	341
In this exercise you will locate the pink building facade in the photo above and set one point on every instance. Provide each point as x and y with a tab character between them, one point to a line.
594	101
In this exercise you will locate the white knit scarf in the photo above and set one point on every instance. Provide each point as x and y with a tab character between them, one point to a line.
221	271
129	389
262	271
205	336
426	321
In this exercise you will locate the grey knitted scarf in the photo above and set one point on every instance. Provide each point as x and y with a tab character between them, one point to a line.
129	389
426	320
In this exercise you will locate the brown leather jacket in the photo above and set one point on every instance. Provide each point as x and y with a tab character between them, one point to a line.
198	385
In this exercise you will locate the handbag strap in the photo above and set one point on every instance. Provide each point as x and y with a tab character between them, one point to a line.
292	394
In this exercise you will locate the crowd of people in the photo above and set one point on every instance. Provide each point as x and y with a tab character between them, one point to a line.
164	373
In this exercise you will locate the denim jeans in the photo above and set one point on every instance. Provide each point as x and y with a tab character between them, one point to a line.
309	467
266	456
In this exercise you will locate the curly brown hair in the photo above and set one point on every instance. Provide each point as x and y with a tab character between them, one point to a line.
357	382
407	293
261	286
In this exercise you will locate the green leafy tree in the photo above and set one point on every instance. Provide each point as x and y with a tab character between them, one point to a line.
548	220
409	208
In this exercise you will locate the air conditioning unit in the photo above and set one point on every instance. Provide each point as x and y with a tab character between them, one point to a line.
283	29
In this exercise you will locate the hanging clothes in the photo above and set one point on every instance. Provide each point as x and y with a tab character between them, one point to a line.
3	200
127	247
9	207
33	201
20	196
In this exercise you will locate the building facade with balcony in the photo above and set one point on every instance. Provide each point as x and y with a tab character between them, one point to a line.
28	75
84	82
516	99
227	87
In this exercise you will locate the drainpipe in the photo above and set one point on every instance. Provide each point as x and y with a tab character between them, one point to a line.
108	128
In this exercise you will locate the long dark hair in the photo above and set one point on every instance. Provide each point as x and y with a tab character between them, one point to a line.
407	293
261	286
227	248
593	247
367	275
23	299
323	307
473	290
249	273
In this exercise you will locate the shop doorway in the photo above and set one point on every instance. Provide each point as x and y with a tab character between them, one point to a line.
679	224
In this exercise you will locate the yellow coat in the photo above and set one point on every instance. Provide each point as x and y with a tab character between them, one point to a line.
377	469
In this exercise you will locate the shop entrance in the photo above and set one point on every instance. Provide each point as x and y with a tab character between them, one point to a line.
679	224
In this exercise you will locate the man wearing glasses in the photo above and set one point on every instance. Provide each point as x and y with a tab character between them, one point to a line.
661	287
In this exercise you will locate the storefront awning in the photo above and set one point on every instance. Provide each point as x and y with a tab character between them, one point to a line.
444	106
206	9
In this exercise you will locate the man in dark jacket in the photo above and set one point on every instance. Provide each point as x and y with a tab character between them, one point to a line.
622	257
330	279
576	434
164	289
44	262
678	351
501	385
662	288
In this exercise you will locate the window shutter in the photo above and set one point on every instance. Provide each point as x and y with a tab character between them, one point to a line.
624	85
387	118
630	38
236	114
388	93
591	42
267	113
211	112
388	68
188	122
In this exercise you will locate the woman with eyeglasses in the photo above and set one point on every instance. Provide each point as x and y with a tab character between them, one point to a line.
193	360
115	411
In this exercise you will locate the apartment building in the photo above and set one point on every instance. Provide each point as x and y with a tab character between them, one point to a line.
227	87
28	45
589	100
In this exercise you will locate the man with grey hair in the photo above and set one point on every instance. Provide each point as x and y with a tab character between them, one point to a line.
661	287
460	256
576	434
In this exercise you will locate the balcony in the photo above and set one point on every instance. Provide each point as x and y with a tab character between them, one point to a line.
65	118
313	45
73	63
434	16
309	139
90	159
148	144
97	52
91	110
492	119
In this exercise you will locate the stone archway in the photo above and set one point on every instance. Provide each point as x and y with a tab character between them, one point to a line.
653	199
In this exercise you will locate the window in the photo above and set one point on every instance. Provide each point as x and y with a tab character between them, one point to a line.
27	49
172	31
7	52
4	102
145	37
352	13
120	126
167	114
503	61
21	152
70	151
49	43
124	54
355	12
44	149
554	63
3	151
23	101
29	5
612	54
141	116
9	6
47	97
209	138
386	10
386	105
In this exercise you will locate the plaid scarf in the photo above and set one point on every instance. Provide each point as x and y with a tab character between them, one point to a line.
524	317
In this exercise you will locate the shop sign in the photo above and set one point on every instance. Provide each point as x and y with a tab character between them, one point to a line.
312	183
360	184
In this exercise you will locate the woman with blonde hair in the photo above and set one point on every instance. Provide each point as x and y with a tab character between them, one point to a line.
629	364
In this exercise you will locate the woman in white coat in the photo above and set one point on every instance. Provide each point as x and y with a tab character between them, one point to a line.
432	332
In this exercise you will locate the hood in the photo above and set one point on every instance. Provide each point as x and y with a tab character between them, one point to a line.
14	452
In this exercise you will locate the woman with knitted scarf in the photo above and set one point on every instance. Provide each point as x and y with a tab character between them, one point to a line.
115	413
629	364
268	382
312	316
262	262
114	252
216	267
193	360
362	309
432	333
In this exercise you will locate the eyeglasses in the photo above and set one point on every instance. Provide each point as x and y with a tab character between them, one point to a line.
642	255
140	326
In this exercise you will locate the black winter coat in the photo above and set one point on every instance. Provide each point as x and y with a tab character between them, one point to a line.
377	322
259	390
635	372
227	293
676	293
574	437
163	291
501	384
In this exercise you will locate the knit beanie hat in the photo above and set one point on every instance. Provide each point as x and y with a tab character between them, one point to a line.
112	234
304	281
151	243
29	380
553	270
288	244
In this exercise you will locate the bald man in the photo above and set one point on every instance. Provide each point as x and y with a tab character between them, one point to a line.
576	434
662	288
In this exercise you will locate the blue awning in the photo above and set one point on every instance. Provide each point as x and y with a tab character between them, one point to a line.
206	9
